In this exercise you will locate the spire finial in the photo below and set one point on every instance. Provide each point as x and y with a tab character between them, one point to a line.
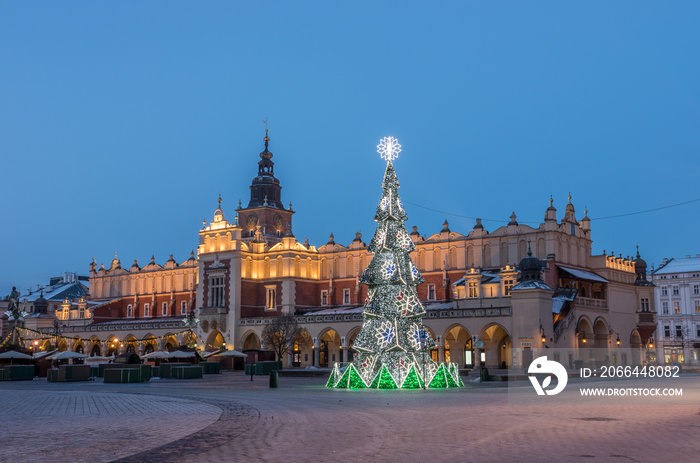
267	138
585	210
569	197
551	200
529	250
219	200
638	256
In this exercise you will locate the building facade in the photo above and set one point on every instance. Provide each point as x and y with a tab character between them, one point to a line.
489	295
677	300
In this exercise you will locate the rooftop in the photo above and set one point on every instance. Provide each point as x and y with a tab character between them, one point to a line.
674	265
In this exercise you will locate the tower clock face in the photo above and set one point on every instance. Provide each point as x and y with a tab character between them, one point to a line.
279	222
252	220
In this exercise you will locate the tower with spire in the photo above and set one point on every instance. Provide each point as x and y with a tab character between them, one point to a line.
265	212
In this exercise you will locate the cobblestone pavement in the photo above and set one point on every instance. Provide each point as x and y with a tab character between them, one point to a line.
227	418
44	425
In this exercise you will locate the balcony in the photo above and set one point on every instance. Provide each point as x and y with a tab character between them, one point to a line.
591	302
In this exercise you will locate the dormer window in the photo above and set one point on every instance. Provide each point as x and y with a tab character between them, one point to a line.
473	289
507	286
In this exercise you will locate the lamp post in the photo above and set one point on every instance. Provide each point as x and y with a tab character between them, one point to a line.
422	336
57	331
191	322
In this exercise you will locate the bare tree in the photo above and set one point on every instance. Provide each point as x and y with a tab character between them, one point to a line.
281	333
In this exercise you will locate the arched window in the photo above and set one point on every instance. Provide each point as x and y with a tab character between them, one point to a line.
280	266
324	269
504	254
522	250
249	267
437	259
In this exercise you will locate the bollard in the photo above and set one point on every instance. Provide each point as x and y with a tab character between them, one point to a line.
252	371
484	374
274	380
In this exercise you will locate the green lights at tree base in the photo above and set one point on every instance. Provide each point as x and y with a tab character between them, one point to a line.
441	376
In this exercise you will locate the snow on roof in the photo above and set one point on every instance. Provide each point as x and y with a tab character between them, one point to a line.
58	292
486	278
557	304
533	284
439	306
337	311
584	275
687	264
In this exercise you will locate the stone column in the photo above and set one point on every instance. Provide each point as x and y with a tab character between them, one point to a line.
290	354
477	355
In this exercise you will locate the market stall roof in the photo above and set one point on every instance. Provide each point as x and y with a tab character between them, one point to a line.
232	353
66	354
13	354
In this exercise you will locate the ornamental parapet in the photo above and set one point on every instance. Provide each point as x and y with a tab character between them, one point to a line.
482	303
646	318
470	313
110	327
432	314
591	302
213	310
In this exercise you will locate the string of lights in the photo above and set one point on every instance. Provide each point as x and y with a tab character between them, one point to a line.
615	216
34	335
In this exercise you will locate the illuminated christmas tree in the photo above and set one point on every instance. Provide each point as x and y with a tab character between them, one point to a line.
393	346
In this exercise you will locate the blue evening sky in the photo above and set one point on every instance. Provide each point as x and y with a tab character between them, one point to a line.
121	122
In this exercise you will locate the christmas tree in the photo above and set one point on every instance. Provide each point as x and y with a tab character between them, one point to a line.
393	346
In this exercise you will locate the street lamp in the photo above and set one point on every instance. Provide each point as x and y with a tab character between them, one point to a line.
617	341
422	334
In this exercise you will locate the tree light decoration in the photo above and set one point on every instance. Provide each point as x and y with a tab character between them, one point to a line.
393	347
389	148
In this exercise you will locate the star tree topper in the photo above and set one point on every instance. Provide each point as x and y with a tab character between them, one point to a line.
389	148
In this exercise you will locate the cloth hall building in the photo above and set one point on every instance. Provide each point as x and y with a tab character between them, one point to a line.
506	290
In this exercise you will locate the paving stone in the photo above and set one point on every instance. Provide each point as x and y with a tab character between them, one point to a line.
228	418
